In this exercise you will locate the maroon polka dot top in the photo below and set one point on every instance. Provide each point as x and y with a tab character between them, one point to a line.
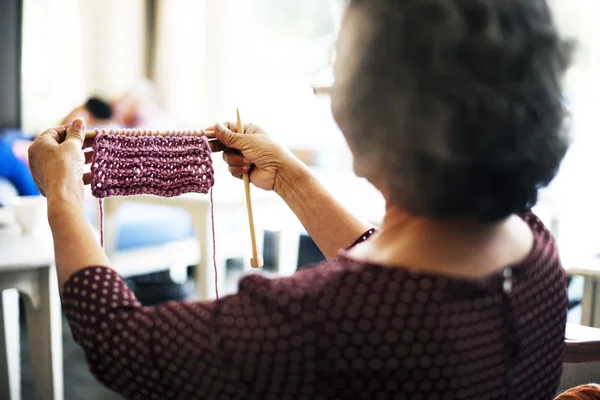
342	330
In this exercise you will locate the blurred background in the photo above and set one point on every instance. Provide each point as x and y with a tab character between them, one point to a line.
185	64
197	60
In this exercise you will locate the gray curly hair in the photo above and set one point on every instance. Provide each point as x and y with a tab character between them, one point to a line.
454	106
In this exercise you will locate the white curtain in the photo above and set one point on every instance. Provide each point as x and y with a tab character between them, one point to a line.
52	61
114	45
193	60
215	55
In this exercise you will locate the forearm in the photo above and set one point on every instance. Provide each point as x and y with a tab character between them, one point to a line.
328	223
75	245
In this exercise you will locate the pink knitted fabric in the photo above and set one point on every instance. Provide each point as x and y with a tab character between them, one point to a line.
136	162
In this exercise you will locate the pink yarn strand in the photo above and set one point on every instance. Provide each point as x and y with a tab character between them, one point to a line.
212	220
101	208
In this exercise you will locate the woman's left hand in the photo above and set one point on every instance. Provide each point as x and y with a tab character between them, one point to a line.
57	161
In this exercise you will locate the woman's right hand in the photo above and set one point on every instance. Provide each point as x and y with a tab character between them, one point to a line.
255	153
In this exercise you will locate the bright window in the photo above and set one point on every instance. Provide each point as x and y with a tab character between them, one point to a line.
575	195
282	48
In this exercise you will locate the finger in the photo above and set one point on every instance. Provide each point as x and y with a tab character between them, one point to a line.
87	178
235	159
229	125
216	146
89	155
229	138
57	134
248	128
76	132
238	172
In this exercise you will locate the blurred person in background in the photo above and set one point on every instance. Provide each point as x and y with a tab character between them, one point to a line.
136	108
98	113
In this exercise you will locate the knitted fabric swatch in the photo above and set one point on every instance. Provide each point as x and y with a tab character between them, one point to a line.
137	162
140	163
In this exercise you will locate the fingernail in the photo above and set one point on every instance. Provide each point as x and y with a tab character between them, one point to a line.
78	123
246	168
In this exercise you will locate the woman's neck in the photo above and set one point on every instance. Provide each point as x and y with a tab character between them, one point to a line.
453	247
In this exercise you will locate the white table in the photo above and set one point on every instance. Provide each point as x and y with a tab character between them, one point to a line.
27	268
581	333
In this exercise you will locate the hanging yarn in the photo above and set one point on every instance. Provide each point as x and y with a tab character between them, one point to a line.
138	162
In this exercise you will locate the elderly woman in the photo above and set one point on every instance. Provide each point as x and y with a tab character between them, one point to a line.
452	110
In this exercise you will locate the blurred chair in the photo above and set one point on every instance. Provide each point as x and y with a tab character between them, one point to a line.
579	374
582	357
143	238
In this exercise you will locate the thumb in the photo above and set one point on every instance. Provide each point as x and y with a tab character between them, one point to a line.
76	131
229	138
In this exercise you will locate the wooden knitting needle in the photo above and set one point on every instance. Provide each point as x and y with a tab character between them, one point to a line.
256	261
92	134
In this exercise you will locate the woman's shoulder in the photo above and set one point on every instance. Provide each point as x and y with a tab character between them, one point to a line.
309	279
536	224
544	253
343	270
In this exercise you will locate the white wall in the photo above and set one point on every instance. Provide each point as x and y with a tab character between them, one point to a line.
114	44
194	58
75	48
576	189
52	61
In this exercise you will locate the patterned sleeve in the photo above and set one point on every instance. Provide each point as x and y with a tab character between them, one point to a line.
176	349
115	331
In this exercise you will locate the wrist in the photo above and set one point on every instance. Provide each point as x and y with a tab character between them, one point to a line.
63	202
62	192
291	177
